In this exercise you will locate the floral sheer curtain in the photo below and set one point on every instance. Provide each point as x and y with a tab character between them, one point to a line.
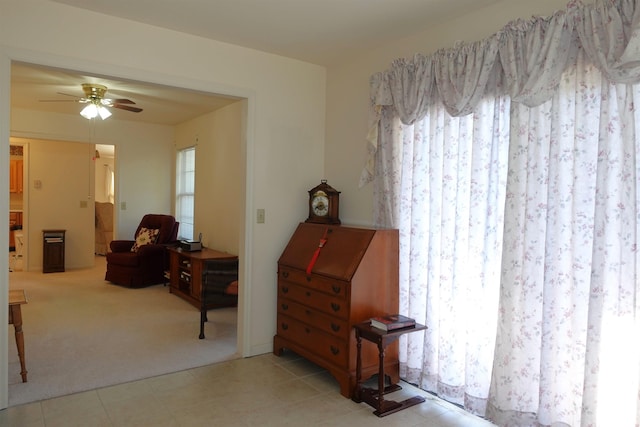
569	327
510	167
451	173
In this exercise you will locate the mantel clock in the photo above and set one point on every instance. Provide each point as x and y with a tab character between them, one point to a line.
324	202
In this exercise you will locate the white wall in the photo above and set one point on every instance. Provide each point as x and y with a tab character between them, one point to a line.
68	175
220	175
143	166
348	93
284	135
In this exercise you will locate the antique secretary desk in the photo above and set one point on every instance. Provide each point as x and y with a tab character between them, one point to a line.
331	277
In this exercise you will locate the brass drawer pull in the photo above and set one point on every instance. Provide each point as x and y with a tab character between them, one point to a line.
285	306
334	327
285	289
336	289
335	307
308	278
307	330
335	350
285	274
308	293
285	326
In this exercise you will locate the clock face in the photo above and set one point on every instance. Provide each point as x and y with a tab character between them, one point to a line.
320	203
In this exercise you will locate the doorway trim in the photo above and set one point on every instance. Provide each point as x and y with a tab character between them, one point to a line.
7	56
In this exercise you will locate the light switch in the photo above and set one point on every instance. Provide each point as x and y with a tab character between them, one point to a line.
83	203
260	216
123	206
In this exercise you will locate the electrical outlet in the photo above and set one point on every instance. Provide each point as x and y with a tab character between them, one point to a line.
123	206
83	203
260	216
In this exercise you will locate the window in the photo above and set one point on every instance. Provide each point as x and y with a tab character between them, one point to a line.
185	191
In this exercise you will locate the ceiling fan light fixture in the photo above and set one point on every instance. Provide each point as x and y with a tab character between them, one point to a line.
93	110
104	112
90	111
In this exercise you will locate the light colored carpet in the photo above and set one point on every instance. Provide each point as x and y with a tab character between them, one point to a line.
83	333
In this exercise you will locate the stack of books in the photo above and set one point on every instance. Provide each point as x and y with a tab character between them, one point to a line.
392	322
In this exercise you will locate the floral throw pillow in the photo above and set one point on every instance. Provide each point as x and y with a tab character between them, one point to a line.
146	236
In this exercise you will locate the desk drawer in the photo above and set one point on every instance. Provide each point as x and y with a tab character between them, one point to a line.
329	347
333	287
333	306
330	324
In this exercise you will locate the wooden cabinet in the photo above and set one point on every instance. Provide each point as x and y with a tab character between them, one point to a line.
15	175
53	250
354	278
185	274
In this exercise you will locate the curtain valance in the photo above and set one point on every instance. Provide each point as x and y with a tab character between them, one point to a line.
525	60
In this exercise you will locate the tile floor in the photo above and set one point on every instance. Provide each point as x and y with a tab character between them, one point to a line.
259	391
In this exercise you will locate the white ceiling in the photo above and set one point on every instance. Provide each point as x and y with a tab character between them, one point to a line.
48	89
316	31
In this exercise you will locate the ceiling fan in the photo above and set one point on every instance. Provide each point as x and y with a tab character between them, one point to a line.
97	103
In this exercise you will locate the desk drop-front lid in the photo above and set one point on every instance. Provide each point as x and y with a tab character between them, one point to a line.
338	258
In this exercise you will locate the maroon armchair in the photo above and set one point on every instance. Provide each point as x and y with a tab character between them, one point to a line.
143	261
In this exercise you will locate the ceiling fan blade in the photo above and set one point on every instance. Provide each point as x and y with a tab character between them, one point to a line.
128	108
67	94
110	102
59	100
121	101
77	99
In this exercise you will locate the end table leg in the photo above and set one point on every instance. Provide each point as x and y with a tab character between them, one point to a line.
16	314
203	318
380	376
357	395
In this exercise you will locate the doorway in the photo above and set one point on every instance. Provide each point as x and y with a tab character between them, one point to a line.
57	192
136	157
17	247
104	191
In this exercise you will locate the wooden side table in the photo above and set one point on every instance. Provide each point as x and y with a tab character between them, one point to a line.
185	274
375	397
53	251
17	297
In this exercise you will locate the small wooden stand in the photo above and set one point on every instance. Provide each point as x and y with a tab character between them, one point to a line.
375	397
53	251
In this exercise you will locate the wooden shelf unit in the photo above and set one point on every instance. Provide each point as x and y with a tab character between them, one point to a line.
185	273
